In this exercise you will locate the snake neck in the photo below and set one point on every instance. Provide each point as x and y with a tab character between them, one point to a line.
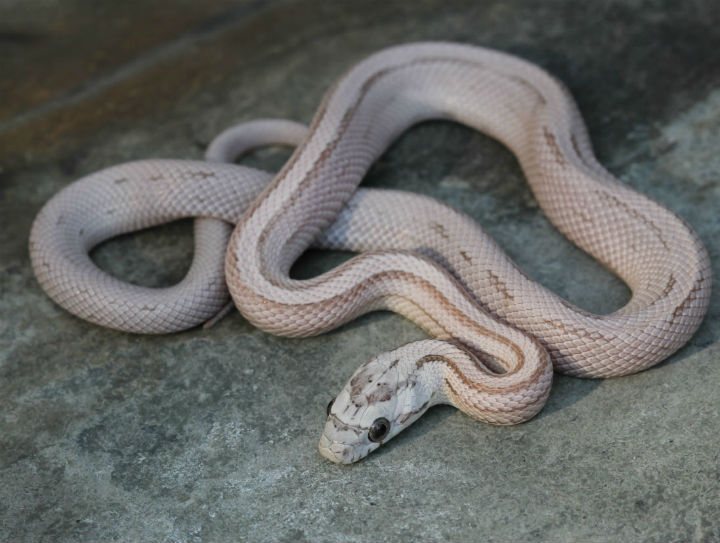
459	378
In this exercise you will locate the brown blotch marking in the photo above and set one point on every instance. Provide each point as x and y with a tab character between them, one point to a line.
499	285
466	257
121	180
355	388
552	143
157	177
439	229
381	395
584	217
432	358
669	286
204	175
692	295
358	382
147	308
577	332
576	146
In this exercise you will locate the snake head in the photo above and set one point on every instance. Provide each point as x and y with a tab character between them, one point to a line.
383	397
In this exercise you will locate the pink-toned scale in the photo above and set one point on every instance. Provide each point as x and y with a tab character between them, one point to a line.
497	333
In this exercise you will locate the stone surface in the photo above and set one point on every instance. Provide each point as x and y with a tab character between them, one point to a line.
211	435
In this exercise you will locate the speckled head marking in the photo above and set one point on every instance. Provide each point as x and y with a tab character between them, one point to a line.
384	396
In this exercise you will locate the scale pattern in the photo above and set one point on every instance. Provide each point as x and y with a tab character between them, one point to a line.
418	257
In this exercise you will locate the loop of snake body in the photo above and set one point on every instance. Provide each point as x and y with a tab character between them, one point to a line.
497	334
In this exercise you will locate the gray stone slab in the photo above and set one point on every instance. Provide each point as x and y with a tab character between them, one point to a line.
211	435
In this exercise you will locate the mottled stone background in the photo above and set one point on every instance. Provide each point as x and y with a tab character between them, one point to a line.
211	435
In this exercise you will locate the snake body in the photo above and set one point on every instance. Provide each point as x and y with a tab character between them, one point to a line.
497	333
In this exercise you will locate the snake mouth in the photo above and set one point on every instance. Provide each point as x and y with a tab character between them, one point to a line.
336	452
343	453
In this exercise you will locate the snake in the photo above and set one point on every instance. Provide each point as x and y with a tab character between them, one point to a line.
495	335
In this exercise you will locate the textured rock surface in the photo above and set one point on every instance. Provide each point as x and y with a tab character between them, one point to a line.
211	435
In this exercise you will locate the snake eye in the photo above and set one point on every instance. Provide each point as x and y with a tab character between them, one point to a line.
329	407
379	429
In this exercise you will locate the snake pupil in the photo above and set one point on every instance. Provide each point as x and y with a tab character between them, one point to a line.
379	429
329	407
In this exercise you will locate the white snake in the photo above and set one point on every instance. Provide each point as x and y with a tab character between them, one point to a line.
495	364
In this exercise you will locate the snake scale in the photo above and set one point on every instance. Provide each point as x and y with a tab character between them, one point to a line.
496	334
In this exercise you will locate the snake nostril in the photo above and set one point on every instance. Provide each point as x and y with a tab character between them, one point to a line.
329	406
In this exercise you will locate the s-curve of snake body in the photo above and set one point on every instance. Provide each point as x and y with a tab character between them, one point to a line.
496	334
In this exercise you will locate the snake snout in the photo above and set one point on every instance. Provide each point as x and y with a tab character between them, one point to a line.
336	452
